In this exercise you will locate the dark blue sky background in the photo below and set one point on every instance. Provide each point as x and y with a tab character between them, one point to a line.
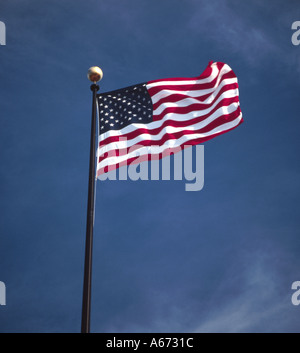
165	260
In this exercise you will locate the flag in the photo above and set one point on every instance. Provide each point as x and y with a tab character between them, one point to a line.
142	121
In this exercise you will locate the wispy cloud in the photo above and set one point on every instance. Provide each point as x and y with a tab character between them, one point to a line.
242	30
261	304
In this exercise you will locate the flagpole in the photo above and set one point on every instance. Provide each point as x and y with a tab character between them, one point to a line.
94	74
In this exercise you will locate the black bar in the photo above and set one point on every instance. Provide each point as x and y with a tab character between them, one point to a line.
87	282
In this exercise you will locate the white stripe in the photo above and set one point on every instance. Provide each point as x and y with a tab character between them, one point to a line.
193	93
174	116
189	101
168	144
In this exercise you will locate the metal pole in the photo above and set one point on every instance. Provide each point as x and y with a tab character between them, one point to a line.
94	74
86	300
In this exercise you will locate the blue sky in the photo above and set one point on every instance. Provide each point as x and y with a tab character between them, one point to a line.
165	260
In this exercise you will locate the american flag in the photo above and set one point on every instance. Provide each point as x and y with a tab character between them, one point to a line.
141	122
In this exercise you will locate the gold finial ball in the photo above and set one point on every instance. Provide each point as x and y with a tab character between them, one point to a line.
95	74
